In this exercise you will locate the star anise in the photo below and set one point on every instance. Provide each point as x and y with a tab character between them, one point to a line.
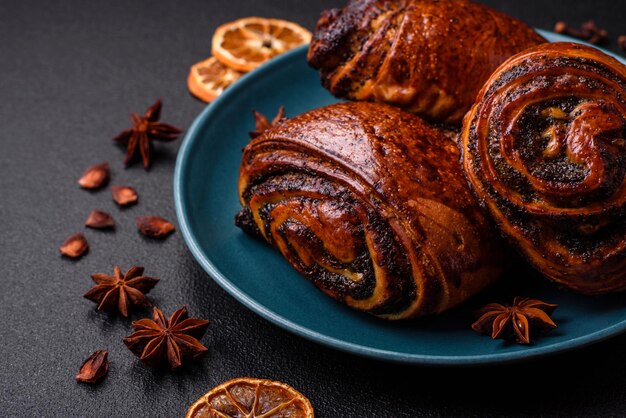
121	291
146	129
262	123
159	339
515	321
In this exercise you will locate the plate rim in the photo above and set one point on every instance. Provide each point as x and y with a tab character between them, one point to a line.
375	353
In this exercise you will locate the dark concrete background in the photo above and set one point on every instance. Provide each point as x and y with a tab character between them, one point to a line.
70	72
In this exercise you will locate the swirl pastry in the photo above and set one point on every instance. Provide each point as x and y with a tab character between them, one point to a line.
544	150
429	57
371	205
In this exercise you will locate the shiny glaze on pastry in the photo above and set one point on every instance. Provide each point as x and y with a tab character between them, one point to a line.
544	149
429	57
371	204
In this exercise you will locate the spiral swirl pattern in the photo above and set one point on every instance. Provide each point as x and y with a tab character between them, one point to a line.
370	204
544	149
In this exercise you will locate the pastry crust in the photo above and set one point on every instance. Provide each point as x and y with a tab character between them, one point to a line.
370	203
544	149
429	57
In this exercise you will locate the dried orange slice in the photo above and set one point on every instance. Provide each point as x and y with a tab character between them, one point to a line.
247	397
209	78
247	43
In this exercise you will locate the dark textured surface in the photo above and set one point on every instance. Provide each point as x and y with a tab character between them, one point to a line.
70	72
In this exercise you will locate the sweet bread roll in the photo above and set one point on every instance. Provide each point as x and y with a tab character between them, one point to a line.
371	204
544	149
429	57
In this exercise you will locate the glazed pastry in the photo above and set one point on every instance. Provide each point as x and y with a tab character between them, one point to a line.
370	204
429	57
544	150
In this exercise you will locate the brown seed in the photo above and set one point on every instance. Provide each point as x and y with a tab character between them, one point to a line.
94	368
621	41
99	220
560	27
154	226
74	246
95	176
588	31
594	34
124	195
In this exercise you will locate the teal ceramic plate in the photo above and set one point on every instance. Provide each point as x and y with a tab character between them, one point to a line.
206	200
